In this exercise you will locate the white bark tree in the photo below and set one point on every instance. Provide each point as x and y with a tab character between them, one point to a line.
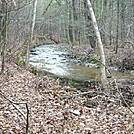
34	18
32	30
100	45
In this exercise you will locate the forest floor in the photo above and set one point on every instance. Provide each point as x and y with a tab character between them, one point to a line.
122	61
55	109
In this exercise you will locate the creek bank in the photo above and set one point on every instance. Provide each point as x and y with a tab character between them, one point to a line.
61	61
79	84
57	109
126	87
18	55
82	60
123	61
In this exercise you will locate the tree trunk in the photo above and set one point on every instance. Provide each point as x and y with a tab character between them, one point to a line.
110	24
34	18
75	18
32	31
117	28
123	21
68	24
89	26
3	34
71	23
100	45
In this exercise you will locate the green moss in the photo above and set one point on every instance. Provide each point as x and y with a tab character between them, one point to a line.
20	60
37	71
96	57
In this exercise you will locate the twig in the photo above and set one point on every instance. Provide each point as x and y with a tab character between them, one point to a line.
17	103
117	89
122	97
27	120
116	86
19	111
86	93
13	103
47	7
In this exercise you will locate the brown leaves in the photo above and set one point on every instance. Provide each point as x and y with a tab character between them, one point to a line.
56	109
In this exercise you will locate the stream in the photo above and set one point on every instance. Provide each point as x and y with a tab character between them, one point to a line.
50	58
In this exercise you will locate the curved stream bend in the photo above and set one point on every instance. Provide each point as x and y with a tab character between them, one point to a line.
50	59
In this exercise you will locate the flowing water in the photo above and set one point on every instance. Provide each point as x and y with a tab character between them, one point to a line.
50	58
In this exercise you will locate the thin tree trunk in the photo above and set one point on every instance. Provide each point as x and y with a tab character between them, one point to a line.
4	34
100	45
132	15
117	28
32	31
110	25
74	18
89	26
68	24
34	18
71	24
123	21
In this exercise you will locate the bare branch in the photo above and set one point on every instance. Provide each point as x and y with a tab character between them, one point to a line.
122	97
27	119
58	2
13	103
47	7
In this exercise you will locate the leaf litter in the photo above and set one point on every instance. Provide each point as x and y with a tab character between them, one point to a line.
55	109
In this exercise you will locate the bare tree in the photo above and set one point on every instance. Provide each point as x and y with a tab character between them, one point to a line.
89	25
3	33
32	30
100	45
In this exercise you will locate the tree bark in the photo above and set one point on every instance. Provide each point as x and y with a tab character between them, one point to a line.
34	18
32	31
117	29
100	45
3	33
89	26
71	23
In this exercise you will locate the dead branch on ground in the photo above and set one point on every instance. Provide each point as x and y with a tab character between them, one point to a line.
26	117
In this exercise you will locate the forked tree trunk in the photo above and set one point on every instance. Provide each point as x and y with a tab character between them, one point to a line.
100	45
